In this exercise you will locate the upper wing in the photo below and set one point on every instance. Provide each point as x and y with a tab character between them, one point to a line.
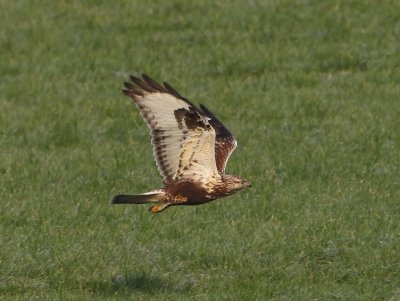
225	142
183	140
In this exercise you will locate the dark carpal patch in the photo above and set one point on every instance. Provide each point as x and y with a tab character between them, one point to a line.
179	115
190	118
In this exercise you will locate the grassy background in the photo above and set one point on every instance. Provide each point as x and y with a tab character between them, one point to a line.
309	88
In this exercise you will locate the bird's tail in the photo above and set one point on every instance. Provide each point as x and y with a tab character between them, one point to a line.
148	197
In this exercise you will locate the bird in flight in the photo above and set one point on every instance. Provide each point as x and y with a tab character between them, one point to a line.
190	145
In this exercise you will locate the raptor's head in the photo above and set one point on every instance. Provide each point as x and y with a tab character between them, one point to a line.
235	183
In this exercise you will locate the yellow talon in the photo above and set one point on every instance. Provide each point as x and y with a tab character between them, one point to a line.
158	208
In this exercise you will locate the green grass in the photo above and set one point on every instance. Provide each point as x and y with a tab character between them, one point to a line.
309	88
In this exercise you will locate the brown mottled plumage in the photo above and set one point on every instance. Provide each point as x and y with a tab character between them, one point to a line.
190	145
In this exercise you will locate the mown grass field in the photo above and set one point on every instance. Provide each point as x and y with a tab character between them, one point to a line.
309	88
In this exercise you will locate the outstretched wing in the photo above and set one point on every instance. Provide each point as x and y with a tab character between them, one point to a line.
183	139
225	142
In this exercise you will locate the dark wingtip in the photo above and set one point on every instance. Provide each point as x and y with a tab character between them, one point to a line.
171	90
134	78
145	84
132	91
127	92
146	77
128	86
153	84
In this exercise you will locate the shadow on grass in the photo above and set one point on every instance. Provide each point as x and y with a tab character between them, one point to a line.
139	283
